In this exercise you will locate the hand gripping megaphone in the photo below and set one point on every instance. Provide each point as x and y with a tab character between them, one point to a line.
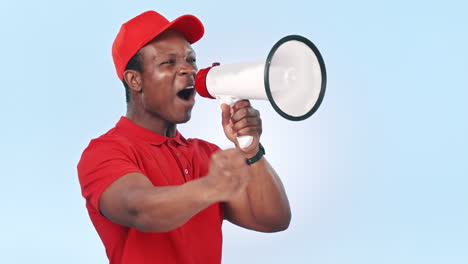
293	79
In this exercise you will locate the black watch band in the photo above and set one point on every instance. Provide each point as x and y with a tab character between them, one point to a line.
258	156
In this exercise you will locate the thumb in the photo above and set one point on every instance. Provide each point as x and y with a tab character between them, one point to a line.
226	114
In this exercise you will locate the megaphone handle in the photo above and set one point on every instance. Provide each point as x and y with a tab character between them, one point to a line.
244	141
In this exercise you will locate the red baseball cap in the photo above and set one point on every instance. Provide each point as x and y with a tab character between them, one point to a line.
140	30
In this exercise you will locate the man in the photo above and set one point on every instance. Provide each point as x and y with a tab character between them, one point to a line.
154	196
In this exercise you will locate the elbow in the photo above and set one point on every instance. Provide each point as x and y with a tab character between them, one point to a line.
147	223
142	225
145	220
285	221
279	225
275	228
283	225
141	221
144	216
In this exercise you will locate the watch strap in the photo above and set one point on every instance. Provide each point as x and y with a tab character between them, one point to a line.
258	156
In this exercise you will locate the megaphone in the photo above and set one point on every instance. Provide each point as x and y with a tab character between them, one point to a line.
293	79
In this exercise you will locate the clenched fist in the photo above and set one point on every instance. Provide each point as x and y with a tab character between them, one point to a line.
242	120
228	175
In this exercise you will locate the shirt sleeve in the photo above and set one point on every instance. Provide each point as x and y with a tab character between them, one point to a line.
100	165
211	148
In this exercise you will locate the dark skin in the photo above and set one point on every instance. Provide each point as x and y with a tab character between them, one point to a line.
253	196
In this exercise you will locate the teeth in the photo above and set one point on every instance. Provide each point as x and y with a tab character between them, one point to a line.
189	87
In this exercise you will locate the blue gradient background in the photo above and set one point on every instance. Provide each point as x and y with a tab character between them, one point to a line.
377	175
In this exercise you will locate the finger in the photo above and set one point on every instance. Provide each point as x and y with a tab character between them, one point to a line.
220	158
241	104
221	163
227	174
249	131
235	158
238	163
245	112
246	122
225	114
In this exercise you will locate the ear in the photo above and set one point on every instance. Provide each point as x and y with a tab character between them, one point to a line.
133	80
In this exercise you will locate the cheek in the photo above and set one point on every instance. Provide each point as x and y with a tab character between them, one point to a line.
155	80
157	87
162	78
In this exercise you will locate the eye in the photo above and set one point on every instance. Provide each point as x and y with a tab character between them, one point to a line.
171	61
192	60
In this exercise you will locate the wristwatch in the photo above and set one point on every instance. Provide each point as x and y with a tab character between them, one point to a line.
258	156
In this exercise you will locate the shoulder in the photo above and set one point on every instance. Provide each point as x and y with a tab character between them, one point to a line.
106	146
203	145
107	140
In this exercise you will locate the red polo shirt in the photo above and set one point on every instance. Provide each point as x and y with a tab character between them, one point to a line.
165	161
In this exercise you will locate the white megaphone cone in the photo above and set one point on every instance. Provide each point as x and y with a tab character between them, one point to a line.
293	79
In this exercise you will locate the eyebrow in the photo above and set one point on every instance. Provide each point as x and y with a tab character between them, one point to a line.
192	52
172	54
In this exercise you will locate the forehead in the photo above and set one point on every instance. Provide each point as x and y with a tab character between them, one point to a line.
169	42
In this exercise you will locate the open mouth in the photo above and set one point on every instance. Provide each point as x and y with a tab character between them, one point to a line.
186	93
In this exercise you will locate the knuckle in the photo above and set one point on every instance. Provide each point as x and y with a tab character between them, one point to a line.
217	155
221	164
242	103
227	173
246	131
243	112
238	105
255	120
240	161
241	123
230	152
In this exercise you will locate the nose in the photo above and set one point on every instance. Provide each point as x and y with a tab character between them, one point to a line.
188	69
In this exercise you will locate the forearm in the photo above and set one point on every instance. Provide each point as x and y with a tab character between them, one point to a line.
161	209
267	198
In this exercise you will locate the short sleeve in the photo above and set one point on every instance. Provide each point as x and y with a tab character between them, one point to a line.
100	165
212	148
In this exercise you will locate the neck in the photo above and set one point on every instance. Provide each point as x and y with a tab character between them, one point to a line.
150	122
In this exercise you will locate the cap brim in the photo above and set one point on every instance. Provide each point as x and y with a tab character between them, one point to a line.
190	26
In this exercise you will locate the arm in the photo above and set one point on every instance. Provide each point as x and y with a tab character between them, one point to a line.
133	201
263	205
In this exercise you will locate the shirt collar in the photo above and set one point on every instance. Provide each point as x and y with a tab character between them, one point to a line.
133	130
